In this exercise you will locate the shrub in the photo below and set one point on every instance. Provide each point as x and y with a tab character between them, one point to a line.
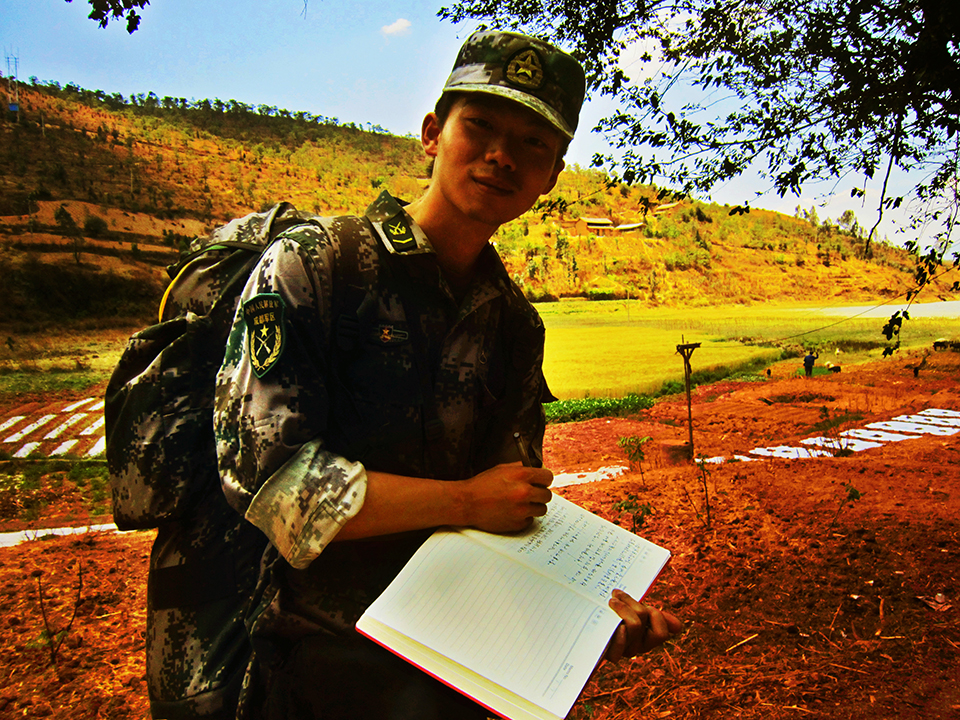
672	387
95	227
636	510
584	409
691	258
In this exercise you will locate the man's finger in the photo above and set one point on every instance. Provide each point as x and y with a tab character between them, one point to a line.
542	478
617	645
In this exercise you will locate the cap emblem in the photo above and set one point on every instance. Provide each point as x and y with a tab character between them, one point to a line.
525	69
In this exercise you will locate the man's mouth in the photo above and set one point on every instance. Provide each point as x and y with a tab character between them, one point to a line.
495	184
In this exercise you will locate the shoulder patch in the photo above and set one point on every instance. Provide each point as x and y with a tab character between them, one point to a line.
263	317
399	233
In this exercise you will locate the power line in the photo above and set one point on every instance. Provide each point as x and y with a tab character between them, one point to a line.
909	295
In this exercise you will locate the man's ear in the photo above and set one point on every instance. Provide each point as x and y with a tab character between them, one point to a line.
430	134
557	169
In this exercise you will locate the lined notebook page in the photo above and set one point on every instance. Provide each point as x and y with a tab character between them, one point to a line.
537	633
582	551
494	616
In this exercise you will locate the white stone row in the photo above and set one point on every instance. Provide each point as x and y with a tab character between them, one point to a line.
15	538
943	423
35	425
92	408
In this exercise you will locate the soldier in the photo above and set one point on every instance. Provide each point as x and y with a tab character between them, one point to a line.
348	429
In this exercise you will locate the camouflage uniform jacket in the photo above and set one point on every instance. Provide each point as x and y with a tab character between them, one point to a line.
423	386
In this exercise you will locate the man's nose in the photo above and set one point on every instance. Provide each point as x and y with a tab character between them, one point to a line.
500	151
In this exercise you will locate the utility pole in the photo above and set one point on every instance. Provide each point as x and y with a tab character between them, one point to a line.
686	350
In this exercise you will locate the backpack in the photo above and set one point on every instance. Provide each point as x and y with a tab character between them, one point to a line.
162	462
158	410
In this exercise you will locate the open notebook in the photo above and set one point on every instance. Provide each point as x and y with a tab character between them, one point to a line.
517	622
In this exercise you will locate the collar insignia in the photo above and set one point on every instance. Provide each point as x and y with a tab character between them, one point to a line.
263	316
399	233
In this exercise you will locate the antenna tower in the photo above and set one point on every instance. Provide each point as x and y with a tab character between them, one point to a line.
13	87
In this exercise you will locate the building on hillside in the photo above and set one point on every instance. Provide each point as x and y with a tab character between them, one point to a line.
601	226
668	206
593	226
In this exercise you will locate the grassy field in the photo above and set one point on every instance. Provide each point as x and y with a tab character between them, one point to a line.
613	348
59	360
594	349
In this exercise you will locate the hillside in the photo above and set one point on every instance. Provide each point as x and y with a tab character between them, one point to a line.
139	177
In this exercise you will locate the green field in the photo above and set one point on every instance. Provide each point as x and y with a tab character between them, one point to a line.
594	349
613	348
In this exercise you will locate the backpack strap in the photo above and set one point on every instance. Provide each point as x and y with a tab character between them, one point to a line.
356	296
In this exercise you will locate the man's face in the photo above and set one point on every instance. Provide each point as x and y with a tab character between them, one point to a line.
493	157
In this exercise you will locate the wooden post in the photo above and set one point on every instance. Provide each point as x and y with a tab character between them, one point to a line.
686	350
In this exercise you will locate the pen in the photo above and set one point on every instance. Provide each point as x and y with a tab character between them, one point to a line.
522	447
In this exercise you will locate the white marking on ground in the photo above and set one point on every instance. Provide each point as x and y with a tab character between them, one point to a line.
940	413
932	421
876	435
98	448
63	448
914	427
605	473
64	426
10	422
94	427
36	425
69	422
26	449
15	538
837	444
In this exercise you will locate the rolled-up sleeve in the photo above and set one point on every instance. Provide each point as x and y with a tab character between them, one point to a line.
303	505
272	407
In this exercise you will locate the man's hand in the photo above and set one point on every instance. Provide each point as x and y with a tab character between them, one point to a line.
643	627
506	498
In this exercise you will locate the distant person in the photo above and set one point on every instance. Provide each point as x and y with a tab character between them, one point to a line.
809	361
346	451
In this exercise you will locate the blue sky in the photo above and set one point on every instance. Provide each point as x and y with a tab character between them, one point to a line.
381	62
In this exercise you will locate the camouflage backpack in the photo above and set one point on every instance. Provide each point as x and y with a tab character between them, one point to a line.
161	455
159	401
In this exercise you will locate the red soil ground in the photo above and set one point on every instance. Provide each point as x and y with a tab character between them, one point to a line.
798	602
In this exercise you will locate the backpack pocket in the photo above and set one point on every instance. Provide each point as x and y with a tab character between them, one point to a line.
159	422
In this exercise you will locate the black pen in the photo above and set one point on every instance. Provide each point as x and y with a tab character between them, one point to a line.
522	447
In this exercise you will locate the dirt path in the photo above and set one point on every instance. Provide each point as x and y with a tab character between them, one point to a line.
798	600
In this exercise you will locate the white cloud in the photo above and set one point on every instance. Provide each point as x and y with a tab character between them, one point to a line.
399	27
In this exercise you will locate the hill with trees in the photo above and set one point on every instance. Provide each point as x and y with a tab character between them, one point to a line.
99	192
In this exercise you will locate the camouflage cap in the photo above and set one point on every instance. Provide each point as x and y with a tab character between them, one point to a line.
525	69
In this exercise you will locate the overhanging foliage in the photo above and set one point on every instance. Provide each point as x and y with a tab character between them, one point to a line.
841	90
103	11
